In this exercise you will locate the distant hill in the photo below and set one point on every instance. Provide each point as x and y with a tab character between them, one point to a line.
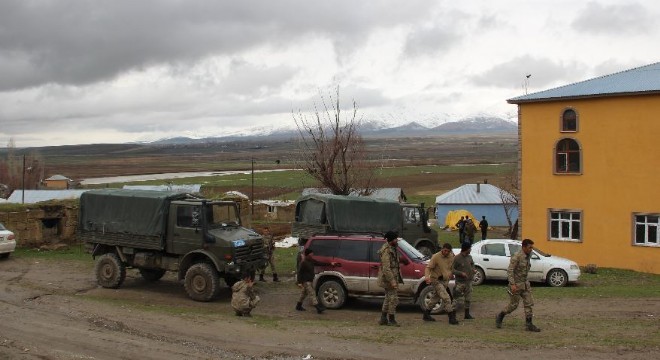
371	128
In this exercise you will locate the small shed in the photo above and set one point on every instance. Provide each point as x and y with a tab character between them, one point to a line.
59	182
478	199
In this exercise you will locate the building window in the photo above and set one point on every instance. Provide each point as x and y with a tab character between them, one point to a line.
272	209
565	225
646	229
567	157
569	121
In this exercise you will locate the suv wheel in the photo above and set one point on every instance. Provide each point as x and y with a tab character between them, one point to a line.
332	294
425	298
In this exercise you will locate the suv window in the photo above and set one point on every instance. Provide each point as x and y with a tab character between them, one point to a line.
354	250
322	247
375	246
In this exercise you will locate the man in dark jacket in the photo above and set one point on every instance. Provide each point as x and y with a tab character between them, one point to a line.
305	278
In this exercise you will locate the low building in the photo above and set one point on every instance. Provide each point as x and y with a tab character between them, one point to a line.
480	200
57	182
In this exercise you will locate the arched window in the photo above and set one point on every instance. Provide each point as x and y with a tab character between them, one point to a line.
569	121
567	157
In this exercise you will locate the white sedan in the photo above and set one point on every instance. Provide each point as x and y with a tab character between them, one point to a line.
7	242
491	258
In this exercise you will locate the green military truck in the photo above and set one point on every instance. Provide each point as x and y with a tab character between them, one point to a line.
331	214
158	231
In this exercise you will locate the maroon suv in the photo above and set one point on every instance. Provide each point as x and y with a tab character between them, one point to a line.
357	272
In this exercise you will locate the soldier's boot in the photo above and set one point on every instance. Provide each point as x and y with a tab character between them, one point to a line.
452	318
467	315
529	326
299	307
383	319
391	321
275	278
499	319
427	316
247	314
319	308
261	277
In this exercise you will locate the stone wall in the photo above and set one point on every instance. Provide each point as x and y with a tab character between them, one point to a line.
43	225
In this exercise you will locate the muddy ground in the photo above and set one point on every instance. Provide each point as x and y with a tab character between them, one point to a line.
55	310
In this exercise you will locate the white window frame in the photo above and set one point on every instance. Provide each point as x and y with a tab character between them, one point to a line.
647	226
571	221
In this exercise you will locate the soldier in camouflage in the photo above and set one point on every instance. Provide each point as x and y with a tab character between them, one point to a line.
269	251
463	269
519	287
437	274
389	278
243	297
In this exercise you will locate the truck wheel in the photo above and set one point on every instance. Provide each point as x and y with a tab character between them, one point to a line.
202	282
425	249
332	295
152	275
110	271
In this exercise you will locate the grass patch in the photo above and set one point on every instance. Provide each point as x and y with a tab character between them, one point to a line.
75	253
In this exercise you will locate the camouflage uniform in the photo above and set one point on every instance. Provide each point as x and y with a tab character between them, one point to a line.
470	229
243	298
269	250
389	272
439	270
463	269
518	270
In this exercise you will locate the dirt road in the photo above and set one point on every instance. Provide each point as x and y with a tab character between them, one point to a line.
51	310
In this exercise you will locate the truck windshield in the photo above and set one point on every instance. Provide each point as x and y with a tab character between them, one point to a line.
222	215
410	250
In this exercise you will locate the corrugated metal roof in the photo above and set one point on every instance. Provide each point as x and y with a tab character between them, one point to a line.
395	194
644	79
35	196
186	188
467	194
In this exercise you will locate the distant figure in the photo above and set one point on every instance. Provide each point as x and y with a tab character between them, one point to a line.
469	230
269	250
483	225
243	297
461	229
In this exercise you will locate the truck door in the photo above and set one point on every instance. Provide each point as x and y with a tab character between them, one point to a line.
185	227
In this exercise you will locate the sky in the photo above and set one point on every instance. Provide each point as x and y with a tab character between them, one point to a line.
79	72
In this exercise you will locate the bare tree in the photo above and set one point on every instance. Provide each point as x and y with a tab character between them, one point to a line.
331	149
510	196
17	171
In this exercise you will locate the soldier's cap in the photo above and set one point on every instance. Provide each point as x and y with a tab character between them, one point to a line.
391	235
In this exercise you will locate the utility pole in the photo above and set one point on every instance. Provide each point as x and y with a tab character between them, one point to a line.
23	181
252	195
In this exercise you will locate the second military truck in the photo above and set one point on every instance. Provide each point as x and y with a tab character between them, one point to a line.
157	231
318	214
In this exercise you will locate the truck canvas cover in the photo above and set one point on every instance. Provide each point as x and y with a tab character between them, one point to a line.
349	213
134	212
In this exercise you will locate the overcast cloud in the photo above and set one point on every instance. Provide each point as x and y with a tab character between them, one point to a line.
75	71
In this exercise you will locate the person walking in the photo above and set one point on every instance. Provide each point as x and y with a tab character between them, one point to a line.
461	229
519	287
469	230
306	276
243	297
437	274
269	252
464	270
483	225
389	278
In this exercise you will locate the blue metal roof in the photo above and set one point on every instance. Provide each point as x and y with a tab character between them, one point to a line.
644	79
471	194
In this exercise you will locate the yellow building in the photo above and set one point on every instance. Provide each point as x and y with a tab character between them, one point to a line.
57	182
589	168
